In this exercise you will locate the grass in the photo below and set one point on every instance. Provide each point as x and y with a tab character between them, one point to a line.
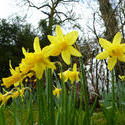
97	118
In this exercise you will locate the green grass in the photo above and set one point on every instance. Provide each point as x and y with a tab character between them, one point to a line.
97	118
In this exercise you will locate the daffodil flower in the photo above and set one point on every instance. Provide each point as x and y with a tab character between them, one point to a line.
62	44
64	75
122	78
74	75
37	61
113	51
71	75
14	79
12	94
57	91
20	92
4	98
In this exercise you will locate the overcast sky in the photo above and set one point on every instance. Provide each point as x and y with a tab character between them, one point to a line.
5	10
9	9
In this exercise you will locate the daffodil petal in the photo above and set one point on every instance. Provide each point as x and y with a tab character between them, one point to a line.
39	69
71	37
52	66
11	68
66	56
46	51
117	38
24	51
51	50
121	58
59	32
65	79
72	80
74	51
102	55
60	76
11	80
111	62
36	45
104	43
123	47
75	67
52	39
16	84
77	78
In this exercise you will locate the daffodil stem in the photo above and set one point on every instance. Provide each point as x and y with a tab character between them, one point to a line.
113	92
113	101
50	101
83	82
40	101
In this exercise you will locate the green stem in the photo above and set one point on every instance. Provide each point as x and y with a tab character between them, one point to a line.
42	103
50	101
113	91
113	101
83	82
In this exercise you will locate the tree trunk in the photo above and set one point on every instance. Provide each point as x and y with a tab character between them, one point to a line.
109	19
111	25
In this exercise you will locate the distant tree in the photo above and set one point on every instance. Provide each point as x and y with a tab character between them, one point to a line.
55	12
13	36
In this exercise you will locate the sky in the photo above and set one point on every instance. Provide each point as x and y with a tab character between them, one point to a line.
12	8
5	10
84	10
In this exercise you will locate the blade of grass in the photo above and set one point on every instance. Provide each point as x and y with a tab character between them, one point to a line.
93	106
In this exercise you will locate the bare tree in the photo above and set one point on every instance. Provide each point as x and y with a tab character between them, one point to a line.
54	11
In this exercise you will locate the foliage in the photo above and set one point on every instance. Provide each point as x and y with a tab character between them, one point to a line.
13	35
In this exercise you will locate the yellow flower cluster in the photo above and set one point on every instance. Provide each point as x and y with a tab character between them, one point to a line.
71	75
38	60
122	78
57	91
35	63
14	93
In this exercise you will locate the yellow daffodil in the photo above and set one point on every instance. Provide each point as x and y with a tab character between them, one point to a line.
12	94
15	94
37	61
122	78
113	51
20	92
15	79
71	75
57	91
64	75
62	44
4	98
